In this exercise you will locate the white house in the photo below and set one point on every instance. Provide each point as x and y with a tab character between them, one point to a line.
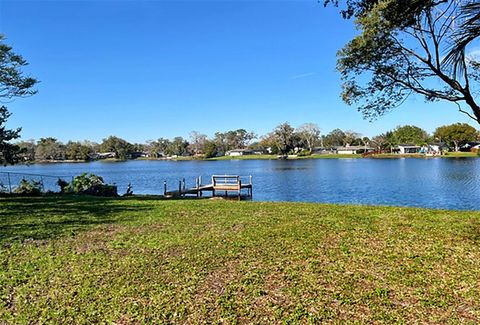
351	150
239	152
471	146
435	149
103	155
408	148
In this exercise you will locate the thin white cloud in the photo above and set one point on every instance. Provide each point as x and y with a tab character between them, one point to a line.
474	54
303	75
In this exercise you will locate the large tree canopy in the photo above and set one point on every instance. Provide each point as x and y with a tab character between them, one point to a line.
411	47
456	135
13	83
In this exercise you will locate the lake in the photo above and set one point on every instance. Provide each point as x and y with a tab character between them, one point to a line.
446	183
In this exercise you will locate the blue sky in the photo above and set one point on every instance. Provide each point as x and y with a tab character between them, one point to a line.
148	69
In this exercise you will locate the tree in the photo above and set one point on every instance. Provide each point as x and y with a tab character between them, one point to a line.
352	138
178	147
49	149
335	138
120	147
210	149
139	147
27	150
269	143
157	148
8	151
456	135
75	150
410	134
385	141
405	48
284	137
13	83
310	134
240	138
235	139
197	142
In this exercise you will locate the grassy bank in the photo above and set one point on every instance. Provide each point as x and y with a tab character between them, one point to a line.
273	157
325	156
84	260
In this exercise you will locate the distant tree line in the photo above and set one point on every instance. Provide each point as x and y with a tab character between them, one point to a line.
283	139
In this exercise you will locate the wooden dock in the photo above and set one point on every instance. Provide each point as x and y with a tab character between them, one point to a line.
220	184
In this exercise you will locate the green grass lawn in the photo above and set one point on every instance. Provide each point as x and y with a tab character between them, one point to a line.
462	154
90	260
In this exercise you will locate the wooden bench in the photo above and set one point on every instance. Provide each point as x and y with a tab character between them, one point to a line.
226	183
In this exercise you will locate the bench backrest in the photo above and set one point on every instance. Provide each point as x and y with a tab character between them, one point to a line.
225	180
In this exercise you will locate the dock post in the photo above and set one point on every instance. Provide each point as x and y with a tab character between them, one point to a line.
200	184
183	181
196	185
239	189
164	188
180	188
251	187
9	183
213	184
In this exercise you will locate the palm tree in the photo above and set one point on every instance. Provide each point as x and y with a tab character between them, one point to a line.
467	32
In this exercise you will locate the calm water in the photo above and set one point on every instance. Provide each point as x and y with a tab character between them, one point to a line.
452	183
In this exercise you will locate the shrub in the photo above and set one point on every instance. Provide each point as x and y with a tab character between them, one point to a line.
105	190
26	187
63	185
84	182
89	184
303	153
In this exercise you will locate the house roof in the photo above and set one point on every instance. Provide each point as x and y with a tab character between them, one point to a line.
353	148
408	146
240	150
471	144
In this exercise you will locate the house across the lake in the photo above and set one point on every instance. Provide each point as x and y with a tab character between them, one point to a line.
239	152
137	154
351	150
321	151
470	146
434	149
407	148
103	155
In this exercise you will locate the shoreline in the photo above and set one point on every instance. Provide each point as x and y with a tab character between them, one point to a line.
266	157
